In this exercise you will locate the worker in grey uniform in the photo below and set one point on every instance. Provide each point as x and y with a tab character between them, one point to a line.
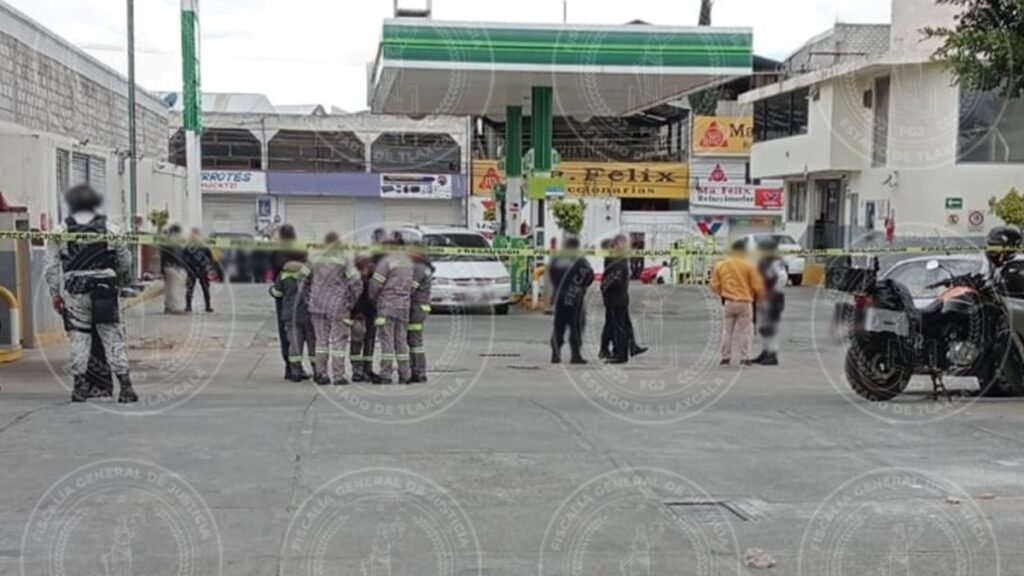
82	278
391	289
335	288
419	310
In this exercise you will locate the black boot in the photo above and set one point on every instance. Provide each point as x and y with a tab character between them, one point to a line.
761	357
81	390
321	379
127	395
358	375
379	380
770	359
556	356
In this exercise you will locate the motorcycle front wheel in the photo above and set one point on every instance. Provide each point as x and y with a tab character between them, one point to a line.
877	369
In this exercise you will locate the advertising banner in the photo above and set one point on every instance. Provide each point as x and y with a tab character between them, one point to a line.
666	180
723	135
717	193
416	186
234	182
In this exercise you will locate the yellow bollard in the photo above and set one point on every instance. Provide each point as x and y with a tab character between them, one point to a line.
11	352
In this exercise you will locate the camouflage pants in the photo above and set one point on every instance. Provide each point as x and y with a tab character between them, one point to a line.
332	336
394	347
78	320
417	349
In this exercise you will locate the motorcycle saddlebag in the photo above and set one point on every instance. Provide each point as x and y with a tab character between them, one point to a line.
851	273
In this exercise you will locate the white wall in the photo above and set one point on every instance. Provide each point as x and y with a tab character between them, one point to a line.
909	17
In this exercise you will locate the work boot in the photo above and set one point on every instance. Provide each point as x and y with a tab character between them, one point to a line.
760	357
209	310
303	375
379	380
638	350
287	371
127	395
81	390
358	375
321	379
295	373
770	359
340	381
556	357
604	355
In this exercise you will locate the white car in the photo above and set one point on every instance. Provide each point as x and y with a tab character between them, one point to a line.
463	281
789	249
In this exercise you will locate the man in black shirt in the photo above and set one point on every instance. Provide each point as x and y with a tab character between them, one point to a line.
286	235
198	263
615	291
571	276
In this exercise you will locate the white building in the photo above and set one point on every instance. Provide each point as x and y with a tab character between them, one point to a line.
868	129
64	121
341	172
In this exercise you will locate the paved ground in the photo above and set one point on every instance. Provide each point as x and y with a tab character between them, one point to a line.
503	464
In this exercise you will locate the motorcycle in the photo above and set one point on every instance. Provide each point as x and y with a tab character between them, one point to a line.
972	329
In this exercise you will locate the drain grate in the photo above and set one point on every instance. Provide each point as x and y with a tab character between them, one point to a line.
709	511
498	355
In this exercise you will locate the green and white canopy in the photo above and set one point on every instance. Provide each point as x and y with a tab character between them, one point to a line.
465	68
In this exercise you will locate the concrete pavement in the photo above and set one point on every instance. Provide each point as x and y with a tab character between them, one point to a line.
503	464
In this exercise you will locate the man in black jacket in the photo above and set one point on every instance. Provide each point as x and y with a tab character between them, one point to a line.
286	236
198	263
571	276
615	291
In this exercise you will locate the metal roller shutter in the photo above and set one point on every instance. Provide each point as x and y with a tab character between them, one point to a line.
79	169
229	215
313	218
437	212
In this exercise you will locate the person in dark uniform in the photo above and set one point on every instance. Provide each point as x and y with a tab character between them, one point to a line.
198	264
364	331
571	276
615	292
278	260
769	309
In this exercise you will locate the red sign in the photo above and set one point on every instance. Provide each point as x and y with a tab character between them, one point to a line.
768	197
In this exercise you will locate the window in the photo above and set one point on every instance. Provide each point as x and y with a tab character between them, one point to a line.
796	205
880	133
781	116
991	129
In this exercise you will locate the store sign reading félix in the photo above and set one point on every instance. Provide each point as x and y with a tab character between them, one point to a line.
234	181
602	179
718	192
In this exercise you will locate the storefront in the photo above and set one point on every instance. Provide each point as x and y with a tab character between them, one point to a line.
354	204
235	201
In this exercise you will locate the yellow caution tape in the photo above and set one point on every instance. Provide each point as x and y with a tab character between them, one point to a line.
268	246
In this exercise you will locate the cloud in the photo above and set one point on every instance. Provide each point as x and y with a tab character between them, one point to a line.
306	51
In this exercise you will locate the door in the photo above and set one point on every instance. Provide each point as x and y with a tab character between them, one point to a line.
828	225
313	218
437	212
229	215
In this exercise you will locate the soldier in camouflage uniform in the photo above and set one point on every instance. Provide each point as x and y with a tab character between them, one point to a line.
82	278
336	287
391	290
419	310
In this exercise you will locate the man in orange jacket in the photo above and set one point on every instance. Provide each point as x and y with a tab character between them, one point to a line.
737	281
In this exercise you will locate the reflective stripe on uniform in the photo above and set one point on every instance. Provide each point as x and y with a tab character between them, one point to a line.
416	327
349	321
323	350
357	358
425	307
388	357
415	284
379	278
338	354
295	359
275	292
418	350
380	321
402	357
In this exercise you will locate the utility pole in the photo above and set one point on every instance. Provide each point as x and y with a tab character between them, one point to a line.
133	181
565	11
192	113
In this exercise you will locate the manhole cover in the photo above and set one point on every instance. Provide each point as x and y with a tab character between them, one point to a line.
709	511
497	355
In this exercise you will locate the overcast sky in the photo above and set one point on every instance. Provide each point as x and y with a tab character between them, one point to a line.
315	51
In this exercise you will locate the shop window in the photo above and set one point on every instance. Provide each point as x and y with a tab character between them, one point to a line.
781	116
796	203
991	128
880	133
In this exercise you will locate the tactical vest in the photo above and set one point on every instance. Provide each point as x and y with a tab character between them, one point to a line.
86	256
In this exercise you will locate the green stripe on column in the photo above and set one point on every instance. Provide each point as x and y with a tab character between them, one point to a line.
541	122
514	141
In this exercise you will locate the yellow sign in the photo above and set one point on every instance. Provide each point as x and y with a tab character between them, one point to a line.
666	180
723	135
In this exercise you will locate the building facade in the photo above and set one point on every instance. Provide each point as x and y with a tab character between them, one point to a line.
886	139
64	121
347	173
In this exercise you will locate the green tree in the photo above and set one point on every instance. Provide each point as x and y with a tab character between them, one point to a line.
1009	208
984	47
705	102
569	215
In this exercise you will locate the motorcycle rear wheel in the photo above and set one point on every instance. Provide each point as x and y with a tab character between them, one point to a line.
877	370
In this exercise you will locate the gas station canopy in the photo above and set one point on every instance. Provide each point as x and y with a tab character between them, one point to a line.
465	68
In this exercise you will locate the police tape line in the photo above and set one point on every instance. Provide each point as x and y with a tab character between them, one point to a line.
505	252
